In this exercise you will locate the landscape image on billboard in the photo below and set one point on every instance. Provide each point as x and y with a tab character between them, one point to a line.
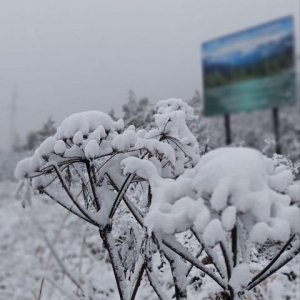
251	69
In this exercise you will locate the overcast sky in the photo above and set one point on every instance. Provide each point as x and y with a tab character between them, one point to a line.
67	56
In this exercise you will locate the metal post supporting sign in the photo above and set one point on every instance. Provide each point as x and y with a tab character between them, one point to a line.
227	129
275	115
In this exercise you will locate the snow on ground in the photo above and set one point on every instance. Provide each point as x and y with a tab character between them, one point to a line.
25	257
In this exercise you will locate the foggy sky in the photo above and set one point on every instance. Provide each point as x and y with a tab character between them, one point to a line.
66	56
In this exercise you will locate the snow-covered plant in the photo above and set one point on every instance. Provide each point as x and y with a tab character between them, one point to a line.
85	156
227	200
233	198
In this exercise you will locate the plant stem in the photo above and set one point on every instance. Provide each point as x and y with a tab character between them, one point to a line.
109	244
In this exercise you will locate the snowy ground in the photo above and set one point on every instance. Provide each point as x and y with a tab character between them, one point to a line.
25	257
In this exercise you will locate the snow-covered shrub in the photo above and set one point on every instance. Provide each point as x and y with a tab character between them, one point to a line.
89	147
234	197
227	200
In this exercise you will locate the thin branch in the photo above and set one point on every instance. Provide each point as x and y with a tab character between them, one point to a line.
175	142
123	190
169	120
67	208
48	169
59	288
138	179
272	262
228	263
155	285
113	153
226	259
179	284
64	269
133	209
81	256
85	186
121	193
234	245
138	281
198	254
285	258
85	183
171	243
81	209
54	243
92	181
211	254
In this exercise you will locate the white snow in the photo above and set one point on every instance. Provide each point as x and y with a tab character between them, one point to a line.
22	168
260	232
174	218
281	180
236	181
236	171
47	146
74	151
173	104
142	168
260	204
292	215
78	138
86	122
294	191
60	147
229	218
213	233
125	141
241	276
91	150
220	195
277	229
154	146
202	220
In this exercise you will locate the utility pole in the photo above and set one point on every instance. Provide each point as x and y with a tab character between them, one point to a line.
13	115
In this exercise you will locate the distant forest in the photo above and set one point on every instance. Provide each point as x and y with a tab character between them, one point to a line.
217	75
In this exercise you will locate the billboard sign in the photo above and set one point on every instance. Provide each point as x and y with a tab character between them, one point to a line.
251	69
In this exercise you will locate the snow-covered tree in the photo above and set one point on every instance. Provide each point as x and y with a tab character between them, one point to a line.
35	138
227	200
137	112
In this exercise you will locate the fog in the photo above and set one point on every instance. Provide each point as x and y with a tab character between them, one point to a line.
72	55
